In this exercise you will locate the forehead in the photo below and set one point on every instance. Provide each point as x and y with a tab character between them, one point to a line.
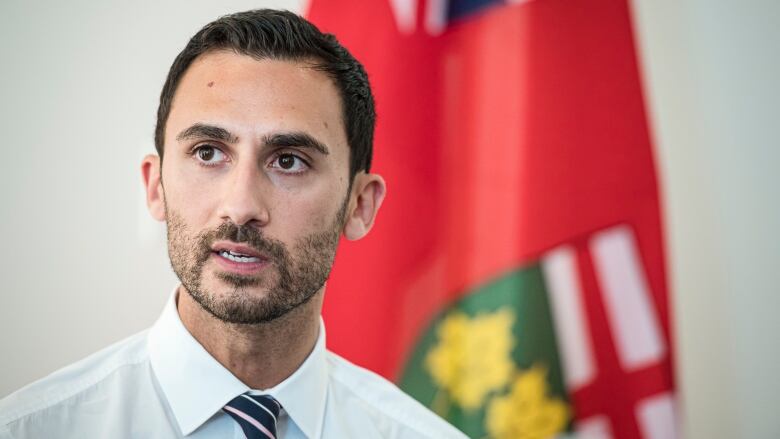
254	97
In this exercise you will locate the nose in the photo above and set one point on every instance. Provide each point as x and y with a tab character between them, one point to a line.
244	201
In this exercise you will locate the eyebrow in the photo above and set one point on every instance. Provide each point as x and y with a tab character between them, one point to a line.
205	131
295	139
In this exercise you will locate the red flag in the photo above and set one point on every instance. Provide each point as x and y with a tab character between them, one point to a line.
515	145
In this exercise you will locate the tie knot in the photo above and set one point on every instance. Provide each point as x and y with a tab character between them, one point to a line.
256	414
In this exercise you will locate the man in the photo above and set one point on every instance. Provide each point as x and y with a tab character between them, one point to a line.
264	140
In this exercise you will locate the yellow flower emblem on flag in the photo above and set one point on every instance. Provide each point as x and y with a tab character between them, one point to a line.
527	412
473	356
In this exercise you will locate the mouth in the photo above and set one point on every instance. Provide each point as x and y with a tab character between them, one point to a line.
238	259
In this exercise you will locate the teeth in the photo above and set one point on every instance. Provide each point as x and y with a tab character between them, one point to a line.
238	257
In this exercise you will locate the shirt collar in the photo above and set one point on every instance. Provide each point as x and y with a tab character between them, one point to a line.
197	386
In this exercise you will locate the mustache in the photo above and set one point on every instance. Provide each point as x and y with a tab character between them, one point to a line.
242	234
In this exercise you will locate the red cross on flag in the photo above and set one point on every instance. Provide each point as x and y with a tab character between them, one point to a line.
515	280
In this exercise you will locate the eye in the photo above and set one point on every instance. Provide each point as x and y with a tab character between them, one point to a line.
209	155
289	163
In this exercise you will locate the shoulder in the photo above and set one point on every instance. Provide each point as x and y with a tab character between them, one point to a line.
72	381
382	400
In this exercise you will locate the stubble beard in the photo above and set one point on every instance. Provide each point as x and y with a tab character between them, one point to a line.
290	280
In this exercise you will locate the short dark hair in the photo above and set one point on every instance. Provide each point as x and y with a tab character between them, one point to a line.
283	35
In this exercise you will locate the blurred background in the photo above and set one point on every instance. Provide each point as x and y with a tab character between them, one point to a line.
80	82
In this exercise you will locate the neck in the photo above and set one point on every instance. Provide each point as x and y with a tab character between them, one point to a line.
260	355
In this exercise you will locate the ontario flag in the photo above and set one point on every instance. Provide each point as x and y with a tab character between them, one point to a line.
515	279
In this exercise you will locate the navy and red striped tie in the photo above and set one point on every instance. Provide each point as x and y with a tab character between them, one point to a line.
256	414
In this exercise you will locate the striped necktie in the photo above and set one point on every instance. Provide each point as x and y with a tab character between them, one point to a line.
256	414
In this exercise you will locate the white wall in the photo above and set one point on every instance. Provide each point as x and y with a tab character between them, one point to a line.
84	265
712	70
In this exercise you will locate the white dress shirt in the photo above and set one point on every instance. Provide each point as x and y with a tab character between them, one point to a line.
161	383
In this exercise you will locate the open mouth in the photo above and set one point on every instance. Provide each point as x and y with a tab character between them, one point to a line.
238	257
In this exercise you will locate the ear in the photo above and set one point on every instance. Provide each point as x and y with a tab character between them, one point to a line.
368	192
155	196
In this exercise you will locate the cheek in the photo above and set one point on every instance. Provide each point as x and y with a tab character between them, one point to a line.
193	199
301	215
309	213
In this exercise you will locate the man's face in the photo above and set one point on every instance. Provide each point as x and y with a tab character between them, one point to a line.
255	178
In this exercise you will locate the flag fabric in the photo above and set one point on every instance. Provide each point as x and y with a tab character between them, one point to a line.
514	281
